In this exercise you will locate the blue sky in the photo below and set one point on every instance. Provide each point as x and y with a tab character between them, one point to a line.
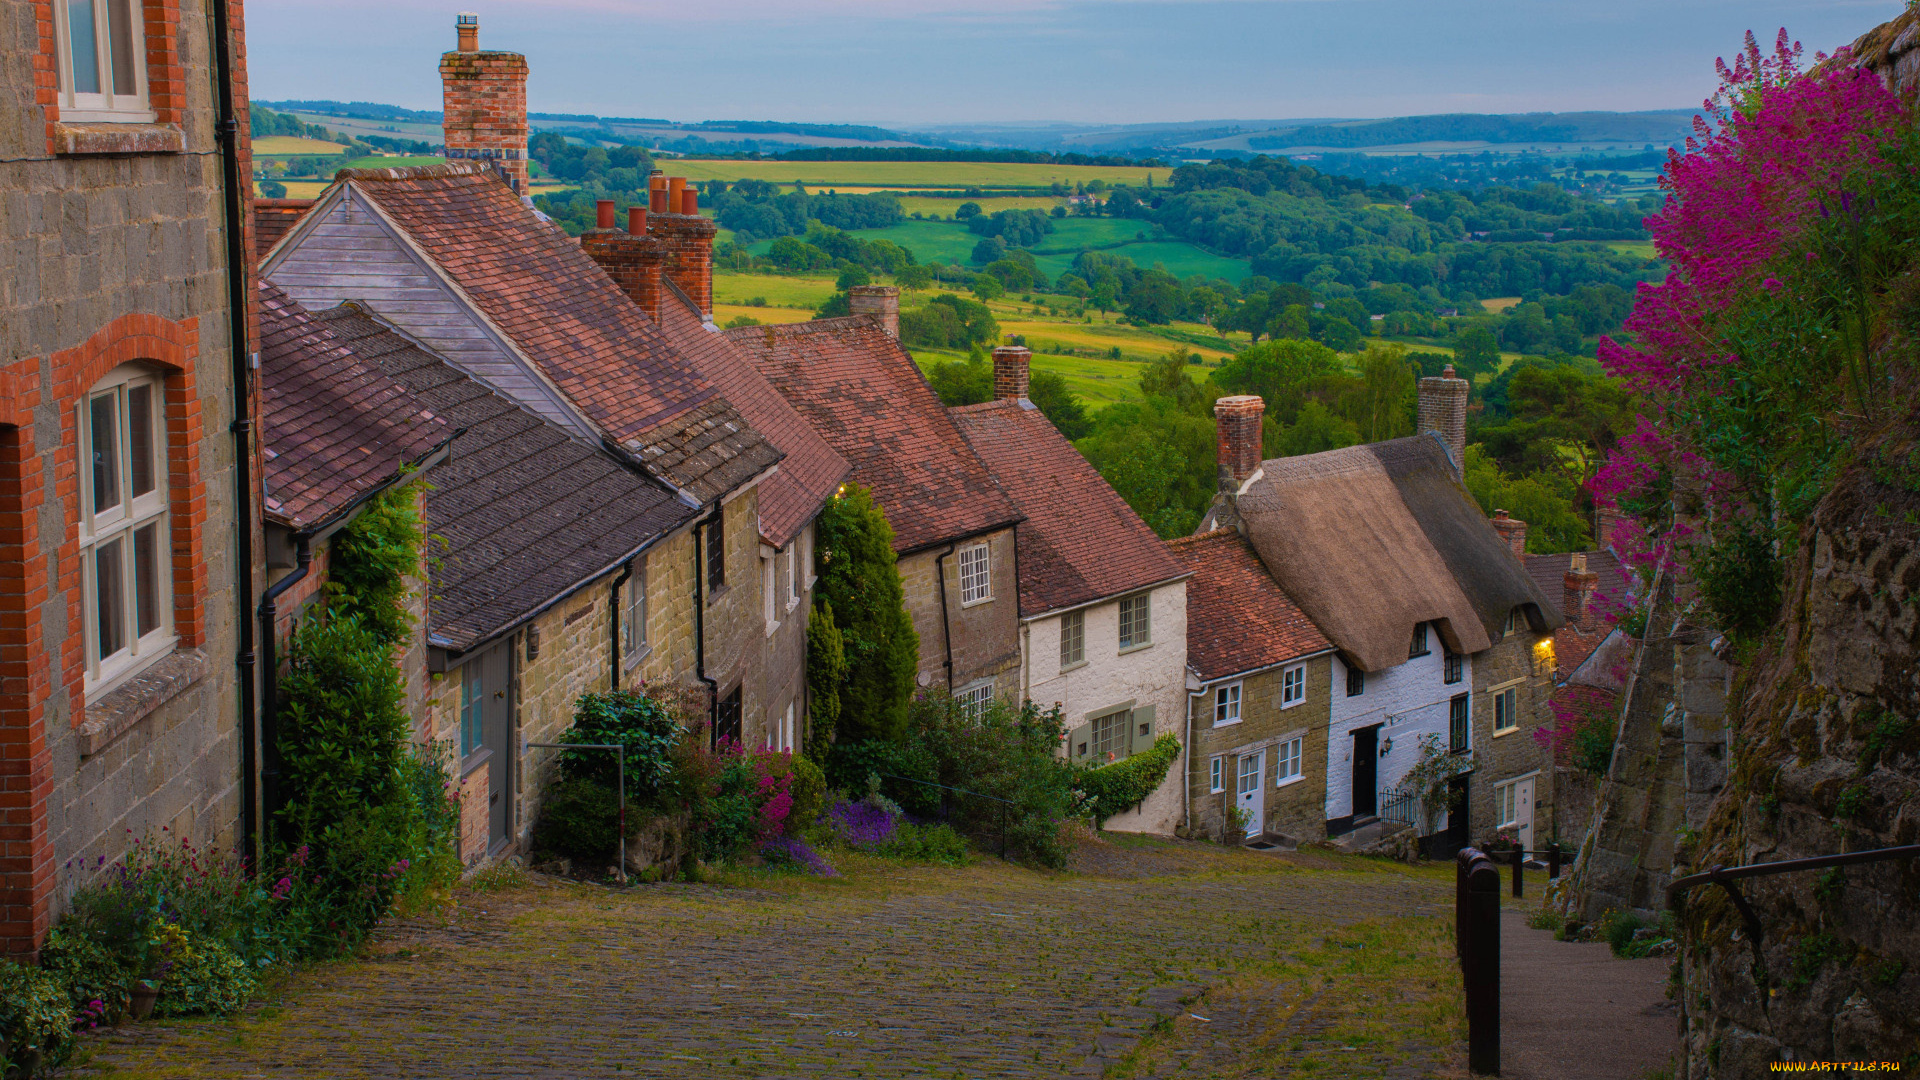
906	62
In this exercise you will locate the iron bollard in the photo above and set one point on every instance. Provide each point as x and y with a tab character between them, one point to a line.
1480	962
1519	868
1460	861
1553	860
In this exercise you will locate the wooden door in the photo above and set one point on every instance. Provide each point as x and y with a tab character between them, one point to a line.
1366	766
1252	793
486	727
1523	813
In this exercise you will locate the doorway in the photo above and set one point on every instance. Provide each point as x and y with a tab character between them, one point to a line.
1252	795
486	728
726	719
1366	771
1513	802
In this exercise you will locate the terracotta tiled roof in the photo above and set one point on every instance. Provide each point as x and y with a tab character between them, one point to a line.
333	426
1080	541
570	319
272	218
862	392
811	470
528	513
1574	642
1238	618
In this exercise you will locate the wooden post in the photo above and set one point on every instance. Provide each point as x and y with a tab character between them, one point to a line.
1480	962
1519	869
1553	859
1460	860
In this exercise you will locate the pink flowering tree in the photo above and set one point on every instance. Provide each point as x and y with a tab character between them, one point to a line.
1760	355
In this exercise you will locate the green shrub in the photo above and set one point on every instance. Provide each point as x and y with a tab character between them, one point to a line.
1617	929
635	721
343	727
826	671
578	819
1122	785
1009	755
1740	580
1547	919
1592	750
809	795
88	970
207	977
935	843
34	1015
860	580
370	560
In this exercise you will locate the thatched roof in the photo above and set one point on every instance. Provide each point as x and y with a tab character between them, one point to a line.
1371	540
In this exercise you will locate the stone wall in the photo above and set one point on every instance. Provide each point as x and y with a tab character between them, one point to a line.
115	254
1524	662
985	636
1296	810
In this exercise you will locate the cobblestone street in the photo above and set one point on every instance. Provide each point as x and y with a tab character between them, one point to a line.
1151	959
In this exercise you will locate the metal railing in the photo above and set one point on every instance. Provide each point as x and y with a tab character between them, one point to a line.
946	806
1401	806
1725	878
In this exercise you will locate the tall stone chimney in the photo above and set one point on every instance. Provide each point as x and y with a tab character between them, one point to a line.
1579	584
1512	530
1011	371
686	238
1237	426
1605	520
884	301
1443	408
631	258
485	102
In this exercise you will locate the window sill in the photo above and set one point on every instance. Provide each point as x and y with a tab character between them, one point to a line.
965	604
1290	781
1291	704
633	661
1135	648
1504	732
1229	723
139	697
1075	666
773	627
117	138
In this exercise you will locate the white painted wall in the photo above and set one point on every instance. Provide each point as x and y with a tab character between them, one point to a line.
1408	701
1156	675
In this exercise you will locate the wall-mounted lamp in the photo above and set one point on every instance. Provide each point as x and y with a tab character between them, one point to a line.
1386	745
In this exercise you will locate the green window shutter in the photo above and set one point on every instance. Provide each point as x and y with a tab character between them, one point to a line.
1080	743
1142	718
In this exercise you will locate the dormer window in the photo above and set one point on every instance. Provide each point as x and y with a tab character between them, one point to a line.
1419	646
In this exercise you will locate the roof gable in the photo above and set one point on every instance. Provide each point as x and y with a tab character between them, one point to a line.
1239	619
851	380
1080	541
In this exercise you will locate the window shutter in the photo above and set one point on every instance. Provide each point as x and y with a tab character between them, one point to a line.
1080	743
1142	716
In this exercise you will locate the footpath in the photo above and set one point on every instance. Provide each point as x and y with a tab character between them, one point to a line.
1574	1011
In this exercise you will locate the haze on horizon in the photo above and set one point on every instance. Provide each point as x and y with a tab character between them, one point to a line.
904	63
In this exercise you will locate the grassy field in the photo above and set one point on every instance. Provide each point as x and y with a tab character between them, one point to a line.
278	145
852	175
1499	304
298	189
394	162
1642	248
952	242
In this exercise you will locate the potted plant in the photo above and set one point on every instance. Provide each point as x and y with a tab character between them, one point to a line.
166	947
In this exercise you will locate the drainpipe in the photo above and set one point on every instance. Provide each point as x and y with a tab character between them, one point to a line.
1186	775
946	626
239	300
614	608
700	624
269	680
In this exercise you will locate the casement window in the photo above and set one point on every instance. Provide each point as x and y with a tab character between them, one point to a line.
1452	667
790	557
127	607
1516	622
1113	736
717	550
1505	719
974	697
1073	639
976	575
1356	682
769	573
1506	808
471	700
1287	764
1457	725
633	616
1226	705
1293	685
100	57
806	557
1218	771
1136	621
1419	645
780	730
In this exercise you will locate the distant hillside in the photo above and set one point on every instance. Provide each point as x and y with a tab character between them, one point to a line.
1657	128
624	128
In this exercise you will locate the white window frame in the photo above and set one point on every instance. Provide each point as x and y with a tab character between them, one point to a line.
1289	759
1226	704
1123	718
1219	774
1293	686
104	105
1073	640
1506	808
790	555
974	696
633	616
976	574
1141	627
1506	705
780	731
769	571
118	523
806	555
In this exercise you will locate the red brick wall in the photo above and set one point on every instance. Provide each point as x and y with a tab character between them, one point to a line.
633	262
485	102
688	240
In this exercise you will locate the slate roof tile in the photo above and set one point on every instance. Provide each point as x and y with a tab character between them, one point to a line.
273	219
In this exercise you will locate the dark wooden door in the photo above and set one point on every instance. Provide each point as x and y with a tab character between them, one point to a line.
1366	763
486	727
726	718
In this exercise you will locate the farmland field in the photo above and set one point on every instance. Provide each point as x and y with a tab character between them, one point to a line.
905	174
1642	248
299	189
952	242
277	145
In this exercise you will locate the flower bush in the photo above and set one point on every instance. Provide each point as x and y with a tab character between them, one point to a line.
36	1018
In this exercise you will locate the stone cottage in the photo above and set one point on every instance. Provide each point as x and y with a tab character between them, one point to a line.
1258	699
126	615
1102	604
1443	641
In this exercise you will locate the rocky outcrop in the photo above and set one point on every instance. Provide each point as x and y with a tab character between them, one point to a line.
1892	51
1824	760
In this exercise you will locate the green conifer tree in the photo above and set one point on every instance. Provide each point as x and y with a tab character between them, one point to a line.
859	580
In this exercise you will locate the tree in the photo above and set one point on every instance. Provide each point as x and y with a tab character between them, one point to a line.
1388	386
1048	392
913	278
1475	351
853	276
1543	500
826	672
962	382
1276	372
1315	429
860	581
1339	335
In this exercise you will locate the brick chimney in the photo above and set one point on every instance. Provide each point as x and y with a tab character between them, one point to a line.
485	102
1443	408
1237	424
687	239
884	301
1605	520
631	258
1579	583
1512	530
1011	370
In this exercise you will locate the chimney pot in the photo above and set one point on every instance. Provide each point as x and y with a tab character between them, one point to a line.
1237	423
466	27
690	201
657	192
880	300
1012	369
676	187
1513	531
1579	585
1443	408
604	218
637	219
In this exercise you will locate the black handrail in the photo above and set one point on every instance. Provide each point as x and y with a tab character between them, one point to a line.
1725	877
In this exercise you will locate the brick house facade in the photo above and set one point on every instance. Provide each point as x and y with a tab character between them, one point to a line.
115	311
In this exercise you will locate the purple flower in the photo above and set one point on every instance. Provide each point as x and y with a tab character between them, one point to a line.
862	826
788	849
